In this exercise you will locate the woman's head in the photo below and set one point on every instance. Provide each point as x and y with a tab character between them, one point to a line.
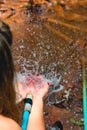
7	93
5	31
6	62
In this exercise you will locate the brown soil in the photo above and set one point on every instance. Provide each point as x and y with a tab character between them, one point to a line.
51	40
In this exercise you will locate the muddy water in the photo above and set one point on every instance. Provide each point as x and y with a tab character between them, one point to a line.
53	46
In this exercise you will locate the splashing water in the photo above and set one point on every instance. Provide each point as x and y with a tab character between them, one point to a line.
30	81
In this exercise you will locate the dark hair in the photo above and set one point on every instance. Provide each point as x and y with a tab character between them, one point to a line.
6	32
8	105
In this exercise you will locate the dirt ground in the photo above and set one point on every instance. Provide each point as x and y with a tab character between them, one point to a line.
51	39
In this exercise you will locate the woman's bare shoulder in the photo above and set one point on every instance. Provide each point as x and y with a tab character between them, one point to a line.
8	124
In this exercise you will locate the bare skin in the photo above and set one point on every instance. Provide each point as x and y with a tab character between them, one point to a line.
8	124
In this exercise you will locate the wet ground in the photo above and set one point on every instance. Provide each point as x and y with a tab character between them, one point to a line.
52	41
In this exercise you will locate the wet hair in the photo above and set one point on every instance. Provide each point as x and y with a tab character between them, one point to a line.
8	105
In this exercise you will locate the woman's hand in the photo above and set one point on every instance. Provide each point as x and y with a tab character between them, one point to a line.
39	93
36	85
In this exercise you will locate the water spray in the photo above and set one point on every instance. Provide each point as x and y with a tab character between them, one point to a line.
28	79
55	85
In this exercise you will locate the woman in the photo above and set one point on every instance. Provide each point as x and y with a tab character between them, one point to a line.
9	113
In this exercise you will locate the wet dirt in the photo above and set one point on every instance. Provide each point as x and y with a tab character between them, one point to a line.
51	41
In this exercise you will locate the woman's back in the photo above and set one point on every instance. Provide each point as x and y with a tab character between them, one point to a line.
8	124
